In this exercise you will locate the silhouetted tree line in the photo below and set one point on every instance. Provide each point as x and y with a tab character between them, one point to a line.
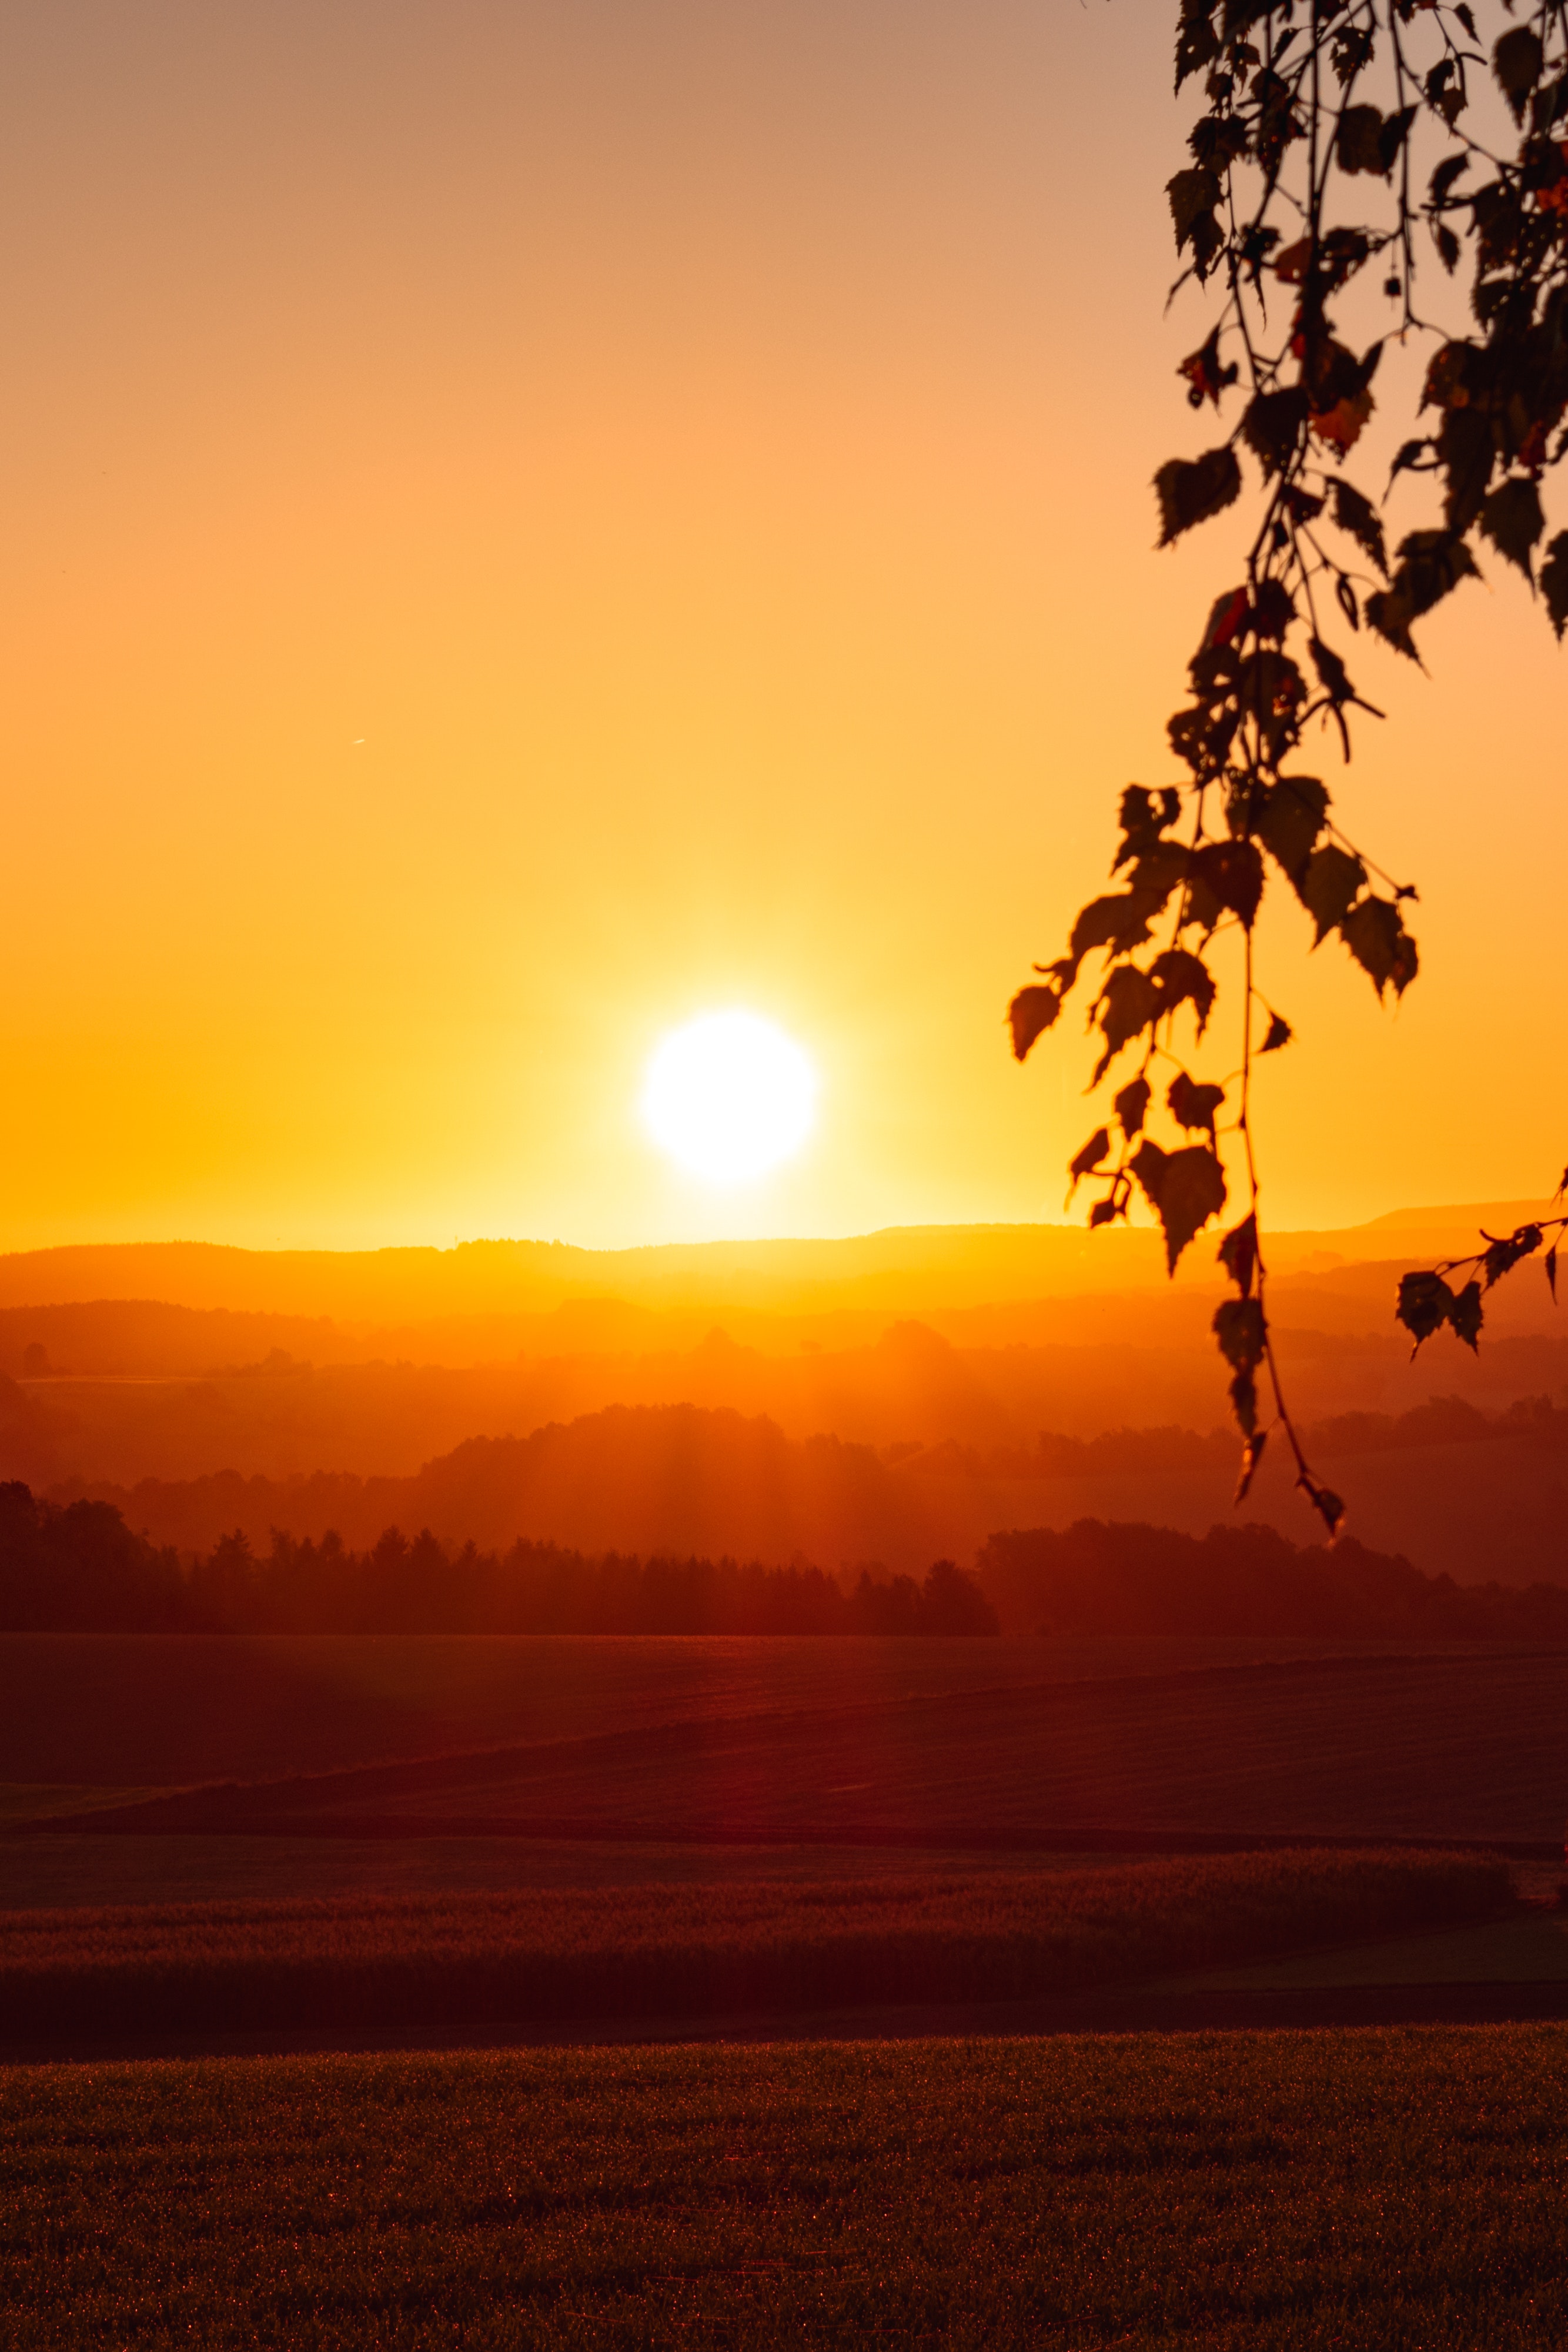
1174	1452
1110	1577
81	1568
78	1567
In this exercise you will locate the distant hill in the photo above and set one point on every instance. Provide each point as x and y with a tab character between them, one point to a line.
1458	1493
116	1337
305	1390
902	1269
675	1480
120	1391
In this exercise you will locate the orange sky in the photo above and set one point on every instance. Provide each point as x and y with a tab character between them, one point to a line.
704	453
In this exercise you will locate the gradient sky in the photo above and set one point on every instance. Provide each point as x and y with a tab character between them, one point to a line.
524	522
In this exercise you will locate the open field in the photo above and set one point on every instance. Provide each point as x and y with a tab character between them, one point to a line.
945	1742
1469	1748
1267	2191
89	1873
855	1778
152	1710
669	1951
1529	1947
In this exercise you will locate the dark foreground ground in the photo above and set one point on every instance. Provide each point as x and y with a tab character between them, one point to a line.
1395	2190
201	1834
209	1838
986	1741
692	1959
963	1745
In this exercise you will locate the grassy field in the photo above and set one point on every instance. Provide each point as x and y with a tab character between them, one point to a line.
1438	1747
159	1709
664	1951
1382	2192
50	1873
154	1710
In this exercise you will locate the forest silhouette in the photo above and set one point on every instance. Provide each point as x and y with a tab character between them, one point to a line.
1464	1492
80	1569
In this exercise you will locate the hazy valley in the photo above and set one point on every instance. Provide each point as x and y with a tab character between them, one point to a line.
886	1401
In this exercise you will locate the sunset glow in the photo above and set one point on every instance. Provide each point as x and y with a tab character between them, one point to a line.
598	525
729	1097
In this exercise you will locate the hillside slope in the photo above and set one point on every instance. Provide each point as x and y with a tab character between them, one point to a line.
681	1480
902	1269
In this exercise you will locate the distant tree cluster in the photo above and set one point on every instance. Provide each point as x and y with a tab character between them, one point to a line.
78	1567
1170	1451
1100	1577
81	1568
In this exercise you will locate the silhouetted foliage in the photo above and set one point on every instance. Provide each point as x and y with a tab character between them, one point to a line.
1428	1299
1302	175
1100	1577
81	1570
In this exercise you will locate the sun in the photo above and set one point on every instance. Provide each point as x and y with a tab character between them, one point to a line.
730	1095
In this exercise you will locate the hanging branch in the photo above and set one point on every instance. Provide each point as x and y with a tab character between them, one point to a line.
1427	1301
1289	142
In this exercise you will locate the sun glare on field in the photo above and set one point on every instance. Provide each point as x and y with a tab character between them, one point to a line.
730	1095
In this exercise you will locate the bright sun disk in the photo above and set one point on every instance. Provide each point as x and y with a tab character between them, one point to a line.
730	1095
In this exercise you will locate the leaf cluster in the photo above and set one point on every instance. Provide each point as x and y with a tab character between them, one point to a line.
1430	1302
1300	175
